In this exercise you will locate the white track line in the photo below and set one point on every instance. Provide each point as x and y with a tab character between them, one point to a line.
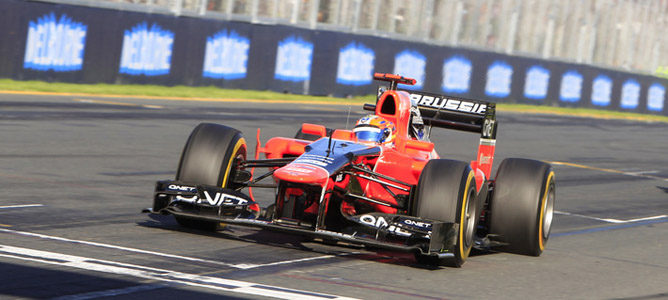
616	221
118	103
48	237
21	206
114	292
642	174
284	262
86	263
162	254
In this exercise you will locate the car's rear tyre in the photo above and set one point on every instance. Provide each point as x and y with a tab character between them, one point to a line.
522	205
446	192
210	157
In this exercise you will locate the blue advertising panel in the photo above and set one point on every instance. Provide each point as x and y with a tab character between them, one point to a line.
571	86
55	44
226	55
536	83
630	94
656	96
293	59
499	79
601	90
411	64
456	74
146	50
356	65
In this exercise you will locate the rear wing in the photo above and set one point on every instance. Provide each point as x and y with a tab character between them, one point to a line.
451	112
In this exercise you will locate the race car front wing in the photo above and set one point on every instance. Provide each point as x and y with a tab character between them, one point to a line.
399	233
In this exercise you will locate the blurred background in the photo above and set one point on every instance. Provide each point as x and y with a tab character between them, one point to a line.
600	54
621	34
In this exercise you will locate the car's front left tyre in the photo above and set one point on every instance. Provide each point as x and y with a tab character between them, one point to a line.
211	156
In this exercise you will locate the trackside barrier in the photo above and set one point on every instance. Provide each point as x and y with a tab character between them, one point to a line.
56	42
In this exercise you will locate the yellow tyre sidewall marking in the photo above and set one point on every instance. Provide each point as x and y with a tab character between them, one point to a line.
543	208
464	254
241	142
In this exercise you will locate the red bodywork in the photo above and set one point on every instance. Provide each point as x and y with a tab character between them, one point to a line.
404	160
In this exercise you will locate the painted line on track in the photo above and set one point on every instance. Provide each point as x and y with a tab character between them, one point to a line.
117	103
608	228
85	263
366	286
114	292
641	174
285	262
21	206
162	254
336	102
59	183
610	220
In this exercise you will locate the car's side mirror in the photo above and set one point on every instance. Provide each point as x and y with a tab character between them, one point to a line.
314	129
343	135
420	145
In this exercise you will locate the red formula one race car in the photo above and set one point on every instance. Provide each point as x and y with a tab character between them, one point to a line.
381	184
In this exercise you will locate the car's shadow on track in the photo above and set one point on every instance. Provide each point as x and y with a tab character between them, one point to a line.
302	243
262	237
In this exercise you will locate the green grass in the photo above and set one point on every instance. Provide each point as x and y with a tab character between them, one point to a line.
178	91
581	112
212	92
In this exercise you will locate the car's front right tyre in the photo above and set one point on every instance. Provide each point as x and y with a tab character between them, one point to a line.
446	192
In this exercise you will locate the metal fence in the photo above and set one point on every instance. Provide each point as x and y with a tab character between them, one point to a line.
620	34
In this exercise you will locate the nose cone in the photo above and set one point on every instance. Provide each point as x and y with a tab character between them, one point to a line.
302	173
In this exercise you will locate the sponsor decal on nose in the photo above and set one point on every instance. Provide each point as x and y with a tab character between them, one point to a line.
302	173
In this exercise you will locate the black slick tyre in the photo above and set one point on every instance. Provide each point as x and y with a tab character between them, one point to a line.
446	192
210	157
522	206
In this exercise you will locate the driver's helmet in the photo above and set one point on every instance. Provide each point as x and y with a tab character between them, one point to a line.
375	129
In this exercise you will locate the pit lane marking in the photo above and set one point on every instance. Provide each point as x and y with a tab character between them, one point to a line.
162	254
21	206
615	221
216	283
634	174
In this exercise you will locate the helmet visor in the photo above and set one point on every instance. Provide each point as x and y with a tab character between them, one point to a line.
369	134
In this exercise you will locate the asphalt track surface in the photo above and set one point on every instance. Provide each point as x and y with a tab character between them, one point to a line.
76	172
